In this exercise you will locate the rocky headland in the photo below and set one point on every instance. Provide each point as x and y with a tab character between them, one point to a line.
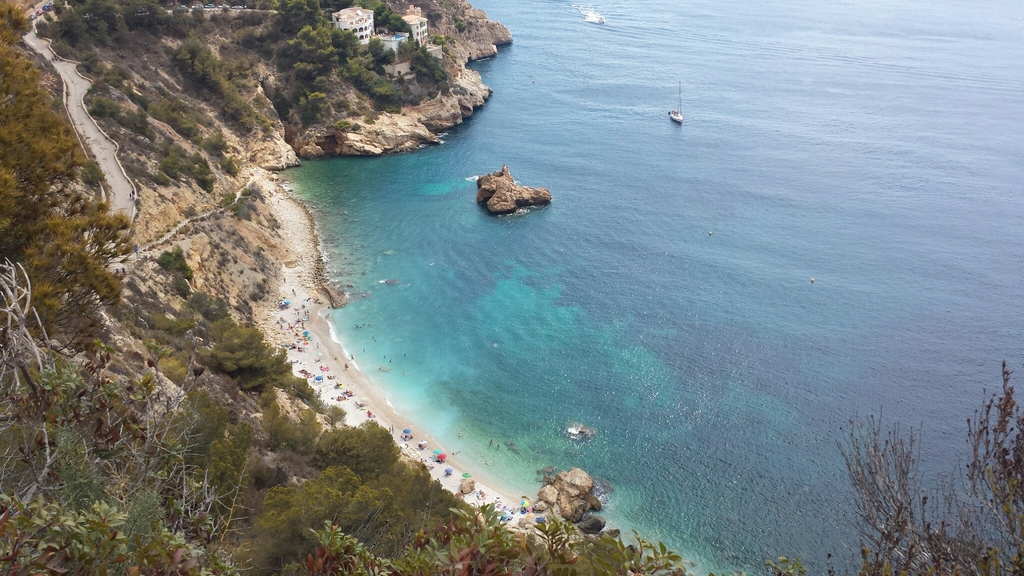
475	38
501	195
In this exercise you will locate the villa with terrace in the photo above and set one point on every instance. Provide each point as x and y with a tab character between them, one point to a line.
358	20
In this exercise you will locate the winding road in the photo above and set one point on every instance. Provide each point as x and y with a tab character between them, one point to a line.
119	191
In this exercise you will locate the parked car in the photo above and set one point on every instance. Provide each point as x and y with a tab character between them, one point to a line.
31	17
48	7
39	12
181	8
237	7
197	6
209	6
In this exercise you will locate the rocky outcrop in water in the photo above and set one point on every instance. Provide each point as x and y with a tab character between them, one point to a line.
502	195
571	495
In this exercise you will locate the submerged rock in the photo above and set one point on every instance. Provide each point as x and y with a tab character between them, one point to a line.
502	195
592	524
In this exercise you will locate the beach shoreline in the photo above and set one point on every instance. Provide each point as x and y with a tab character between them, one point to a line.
306	320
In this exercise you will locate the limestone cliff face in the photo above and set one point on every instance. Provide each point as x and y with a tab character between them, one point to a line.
475	37
394	133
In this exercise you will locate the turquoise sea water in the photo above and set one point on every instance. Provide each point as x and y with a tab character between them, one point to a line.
877	147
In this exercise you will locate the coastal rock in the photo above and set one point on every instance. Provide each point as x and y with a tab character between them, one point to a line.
467	485
540	506
271	154
310	151
595	503
575	482
502	195
574	493
390	133
592	524
548	494
481	37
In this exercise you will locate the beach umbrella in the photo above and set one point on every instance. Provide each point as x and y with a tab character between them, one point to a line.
441	457
406	431
319	378
436	452
524	504
466	475
448	470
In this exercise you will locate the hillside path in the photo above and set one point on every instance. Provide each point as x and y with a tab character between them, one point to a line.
120	192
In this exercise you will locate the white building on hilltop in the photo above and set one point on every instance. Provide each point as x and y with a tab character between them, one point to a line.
414	18
358	20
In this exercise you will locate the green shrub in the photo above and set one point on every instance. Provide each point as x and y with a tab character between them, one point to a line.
173	326
215	145
92	174
181	286
283	434
242	353
137	121
228	165
368	451
160	178
313	107
104	108
213	309
173	113
174	259
460	25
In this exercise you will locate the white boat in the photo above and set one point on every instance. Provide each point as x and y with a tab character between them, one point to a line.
677	114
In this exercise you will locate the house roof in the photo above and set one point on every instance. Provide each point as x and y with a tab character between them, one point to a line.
354	12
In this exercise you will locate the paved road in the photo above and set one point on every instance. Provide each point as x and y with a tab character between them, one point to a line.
119	190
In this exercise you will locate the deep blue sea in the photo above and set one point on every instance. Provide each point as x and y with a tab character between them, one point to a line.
665	296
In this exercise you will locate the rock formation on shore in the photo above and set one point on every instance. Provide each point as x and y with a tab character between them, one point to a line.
571	495
502	195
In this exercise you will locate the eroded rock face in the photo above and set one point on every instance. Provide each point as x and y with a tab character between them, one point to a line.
502	195
571	491
467	485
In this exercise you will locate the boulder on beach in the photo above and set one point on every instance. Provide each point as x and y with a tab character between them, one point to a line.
467	485
502	195
548	494
591	524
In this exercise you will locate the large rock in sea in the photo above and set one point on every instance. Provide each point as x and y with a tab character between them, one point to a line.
574	493
591	524
502	195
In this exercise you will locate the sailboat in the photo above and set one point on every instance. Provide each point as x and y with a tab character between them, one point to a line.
677	114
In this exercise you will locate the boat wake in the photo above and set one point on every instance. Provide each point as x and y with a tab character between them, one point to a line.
589	14
473	178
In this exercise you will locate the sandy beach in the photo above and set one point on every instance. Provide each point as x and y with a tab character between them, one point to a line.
304	324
